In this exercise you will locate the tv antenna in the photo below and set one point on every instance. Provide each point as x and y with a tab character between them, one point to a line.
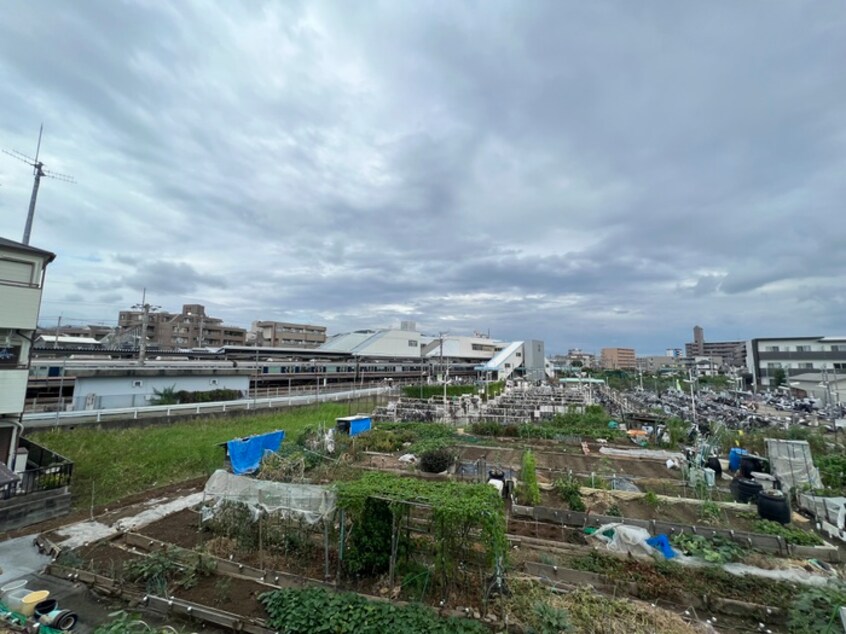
37	171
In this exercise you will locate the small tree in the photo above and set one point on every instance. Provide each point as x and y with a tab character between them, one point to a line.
165	396
777	379
529	490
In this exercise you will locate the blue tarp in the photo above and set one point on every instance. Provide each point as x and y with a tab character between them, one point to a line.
245	455
359	426
662	543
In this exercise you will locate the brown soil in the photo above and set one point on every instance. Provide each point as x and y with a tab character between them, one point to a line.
108	513
544	530
181	528
558	461
105	559
229	594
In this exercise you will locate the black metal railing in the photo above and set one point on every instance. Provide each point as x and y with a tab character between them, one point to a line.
46	470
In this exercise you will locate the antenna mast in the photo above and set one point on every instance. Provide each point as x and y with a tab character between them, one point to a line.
37	171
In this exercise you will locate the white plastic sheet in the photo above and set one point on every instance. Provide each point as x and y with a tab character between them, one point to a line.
792	463
625	539
309	502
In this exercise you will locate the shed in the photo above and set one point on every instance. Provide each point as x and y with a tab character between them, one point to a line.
353	425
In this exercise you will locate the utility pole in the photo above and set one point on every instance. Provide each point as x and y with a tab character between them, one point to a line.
58	330
38	172
443	370
145	309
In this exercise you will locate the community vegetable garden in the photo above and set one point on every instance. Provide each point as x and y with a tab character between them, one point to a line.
418	541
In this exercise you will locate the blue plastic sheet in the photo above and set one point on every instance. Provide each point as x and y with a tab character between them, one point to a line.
662	543
245	455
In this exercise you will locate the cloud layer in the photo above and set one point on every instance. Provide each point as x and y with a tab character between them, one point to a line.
589	174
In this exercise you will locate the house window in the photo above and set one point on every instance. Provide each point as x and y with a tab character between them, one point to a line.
519	354
772	348
412	343
806	366
137	383
803	348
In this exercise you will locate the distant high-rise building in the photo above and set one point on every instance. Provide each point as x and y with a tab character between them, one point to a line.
280	334
191	328
732	352
618	359
698	340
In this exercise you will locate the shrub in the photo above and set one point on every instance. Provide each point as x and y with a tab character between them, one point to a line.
569	489
529	490
436	460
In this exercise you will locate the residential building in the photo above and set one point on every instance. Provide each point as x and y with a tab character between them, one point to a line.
192	328
676	353
654	363
795	356
281	334
618	359
22	272
733	353
33	480
580	358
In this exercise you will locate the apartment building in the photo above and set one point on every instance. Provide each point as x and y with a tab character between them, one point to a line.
733	353
282	334
192	328
618	359
796	356
22	271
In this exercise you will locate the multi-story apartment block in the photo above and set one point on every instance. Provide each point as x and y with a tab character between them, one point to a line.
191	328
22	271
281	334
822	357
733	353
618	359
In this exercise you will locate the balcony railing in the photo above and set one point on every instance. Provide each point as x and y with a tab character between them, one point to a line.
46	470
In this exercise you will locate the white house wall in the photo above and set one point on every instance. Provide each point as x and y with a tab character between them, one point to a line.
125	391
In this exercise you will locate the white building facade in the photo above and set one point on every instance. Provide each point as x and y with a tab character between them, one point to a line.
22	271
795	356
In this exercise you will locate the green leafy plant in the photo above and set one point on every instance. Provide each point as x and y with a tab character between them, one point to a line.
569	489
165	396
815	610
614	511
436	460
790	534
307	610
651	498
709	512
715	550
125	623
529	491
549	619
456	509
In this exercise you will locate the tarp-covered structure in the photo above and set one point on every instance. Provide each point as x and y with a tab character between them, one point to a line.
245	454
792	463
310	503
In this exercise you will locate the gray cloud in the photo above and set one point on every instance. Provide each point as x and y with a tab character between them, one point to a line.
589	174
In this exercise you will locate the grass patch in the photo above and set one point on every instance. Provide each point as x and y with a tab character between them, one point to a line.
120	462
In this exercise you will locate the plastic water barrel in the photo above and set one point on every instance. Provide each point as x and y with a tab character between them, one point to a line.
734	457
14	599
10	587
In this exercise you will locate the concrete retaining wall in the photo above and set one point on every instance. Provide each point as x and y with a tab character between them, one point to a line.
24	510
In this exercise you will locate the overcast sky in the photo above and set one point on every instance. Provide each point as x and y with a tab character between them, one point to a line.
587	173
